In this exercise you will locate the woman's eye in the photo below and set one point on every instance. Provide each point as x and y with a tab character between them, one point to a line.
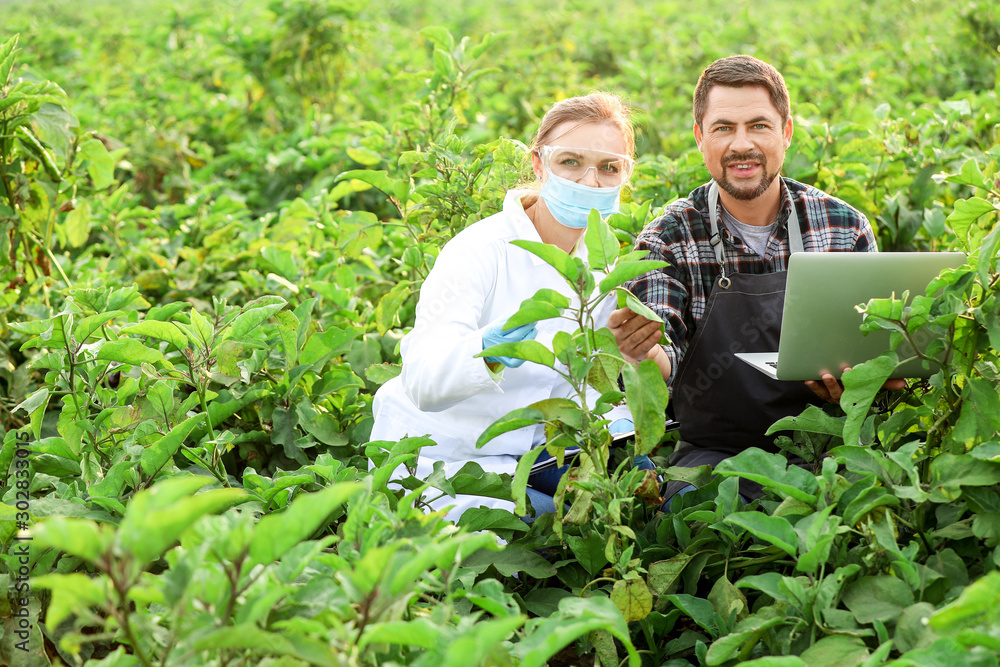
610	168
569	162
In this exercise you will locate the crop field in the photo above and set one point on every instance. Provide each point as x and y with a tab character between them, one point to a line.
215	220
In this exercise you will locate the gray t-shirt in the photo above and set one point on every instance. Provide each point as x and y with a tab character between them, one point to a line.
753	235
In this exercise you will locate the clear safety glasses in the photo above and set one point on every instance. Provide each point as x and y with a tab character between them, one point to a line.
611	169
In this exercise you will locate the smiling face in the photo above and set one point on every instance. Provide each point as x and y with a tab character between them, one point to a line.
743	139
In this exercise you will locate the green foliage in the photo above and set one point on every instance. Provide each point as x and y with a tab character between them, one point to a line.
214	229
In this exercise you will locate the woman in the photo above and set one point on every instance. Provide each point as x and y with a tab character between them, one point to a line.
581	157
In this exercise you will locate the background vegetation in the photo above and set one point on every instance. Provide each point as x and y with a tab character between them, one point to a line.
214	222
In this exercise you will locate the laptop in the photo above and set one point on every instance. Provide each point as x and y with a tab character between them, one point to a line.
820	324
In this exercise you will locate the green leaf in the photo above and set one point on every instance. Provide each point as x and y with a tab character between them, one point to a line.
77	225
513	420
646	395
382	373
775	530
970	175
977	604
77	537
387	310
835	651
155	456
633	599
100	163
277	533
529	350
627	270
252	636
394	188
544	305
589	551
861	384
881	598
512	559
966	212
129	351
252	316
167	331
554	257
663	575
698	610
8	54
418	631
979	419
496	520
602	244
576	617
771	471
88	325
157	516
72	593
812	420
628	300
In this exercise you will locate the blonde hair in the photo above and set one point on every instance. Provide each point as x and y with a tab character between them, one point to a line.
594	108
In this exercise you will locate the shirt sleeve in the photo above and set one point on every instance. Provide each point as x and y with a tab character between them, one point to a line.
664	290
866	236
440	368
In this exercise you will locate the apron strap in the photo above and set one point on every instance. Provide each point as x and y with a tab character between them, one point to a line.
794	232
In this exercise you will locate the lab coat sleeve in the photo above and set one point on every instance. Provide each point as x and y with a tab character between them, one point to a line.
440	368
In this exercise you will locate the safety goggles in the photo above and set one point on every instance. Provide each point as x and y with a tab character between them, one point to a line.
611	169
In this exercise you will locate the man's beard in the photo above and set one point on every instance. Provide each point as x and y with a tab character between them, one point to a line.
749	192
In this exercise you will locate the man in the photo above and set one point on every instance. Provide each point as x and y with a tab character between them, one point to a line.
727	246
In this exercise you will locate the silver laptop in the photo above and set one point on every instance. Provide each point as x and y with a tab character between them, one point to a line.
820	324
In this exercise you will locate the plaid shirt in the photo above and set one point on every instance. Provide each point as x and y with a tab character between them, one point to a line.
680	236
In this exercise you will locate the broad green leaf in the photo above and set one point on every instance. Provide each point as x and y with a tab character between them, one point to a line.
628	300
647	396
812	420
633	599
100	163
881	597
129	351
483	518
167	331
776	661
727	599
576	617
91	323
157	516
77	225
768	583
775	530
519	485
771	471
558	259
589	551
512	559
970	175
835	651
252	316
480	643
277	533
382	373
663	575
387	310
625	271
397	189
72	593
979	419
252	636
966	212
953	471
602	244
545	304
977	604
608	362
8	54
418	631
861	384
698	610
77	537
155	456
511	421
529	350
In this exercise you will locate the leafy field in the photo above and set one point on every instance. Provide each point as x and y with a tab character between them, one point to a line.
215	219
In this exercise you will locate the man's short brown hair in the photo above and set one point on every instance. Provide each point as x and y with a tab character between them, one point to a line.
738	72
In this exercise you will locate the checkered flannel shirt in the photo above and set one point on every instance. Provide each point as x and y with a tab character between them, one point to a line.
680	236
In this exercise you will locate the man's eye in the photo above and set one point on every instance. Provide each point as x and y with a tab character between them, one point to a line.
760	126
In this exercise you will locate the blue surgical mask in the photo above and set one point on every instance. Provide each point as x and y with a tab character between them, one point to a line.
570	203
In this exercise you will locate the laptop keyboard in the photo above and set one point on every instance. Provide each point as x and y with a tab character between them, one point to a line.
772	364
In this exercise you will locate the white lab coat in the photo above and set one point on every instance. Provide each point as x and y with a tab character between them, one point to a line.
444	391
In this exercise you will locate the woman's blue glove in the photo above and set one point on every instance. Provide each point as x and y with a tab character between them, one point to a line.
621	426
494	335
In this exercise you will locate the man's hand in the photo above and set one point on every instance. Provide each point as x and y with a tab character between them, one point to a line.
635	334
830	389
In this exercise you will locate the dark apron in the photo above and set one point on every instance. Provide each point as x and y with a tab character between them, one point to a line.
725	406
